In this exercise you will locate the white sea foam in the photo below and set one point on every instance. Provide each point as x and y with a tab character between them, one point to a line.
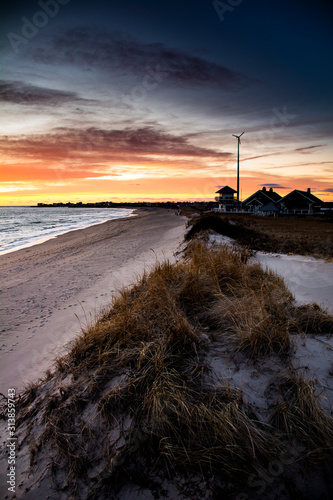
22	227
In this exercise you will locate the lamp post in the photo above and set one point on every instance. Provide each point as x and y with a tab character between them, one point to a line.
239	141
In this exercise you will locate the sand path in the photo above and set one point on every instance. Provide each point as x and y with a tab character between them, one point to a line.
49	289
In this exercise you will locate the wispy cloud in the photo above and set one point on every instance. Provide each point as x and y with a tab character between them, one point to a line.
275	186
88	47
273	153
21	93
8	187
309	149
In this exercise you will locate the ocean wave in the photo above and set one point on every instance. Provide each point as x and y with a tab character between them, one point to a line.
25	226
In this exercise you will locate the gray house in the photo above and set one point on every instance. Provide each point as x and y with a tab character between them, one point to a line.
262	198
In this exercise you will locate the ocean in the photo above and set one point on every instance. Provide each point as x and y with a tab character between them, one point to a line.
25	226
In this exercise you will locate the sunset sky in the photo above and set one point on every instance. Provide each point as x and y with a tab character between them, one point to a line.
138	100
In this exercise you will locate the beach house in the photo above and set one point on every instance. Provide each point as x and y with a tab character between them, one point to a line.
300	202
226	199
263	201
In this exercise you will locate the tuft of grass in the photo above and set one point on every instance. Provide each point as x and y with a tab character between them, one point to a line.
311	319
218	433
298	413
253	325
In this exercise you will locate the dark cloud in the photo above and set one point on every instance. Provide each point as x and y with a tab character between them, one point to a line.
117	52
275	186
308	149
263	156
110	143
329	190
22	93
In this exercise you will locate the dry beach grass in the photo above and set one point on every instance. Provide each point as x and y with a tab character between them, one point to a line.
303	236
135	405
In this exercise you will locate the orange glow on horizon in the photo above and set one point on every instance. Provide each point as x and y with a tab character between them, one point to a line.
32	175
147	189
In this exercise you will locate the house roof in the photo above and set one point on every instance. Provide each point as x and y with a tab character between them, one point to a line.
256	201
226	190
273	195
263	196
308	197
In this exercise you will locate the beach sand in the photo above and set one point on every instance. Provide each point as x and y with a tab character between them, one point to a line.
52	289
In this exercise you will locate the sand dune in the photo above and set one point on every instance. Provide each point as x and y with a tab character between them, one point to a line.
53	288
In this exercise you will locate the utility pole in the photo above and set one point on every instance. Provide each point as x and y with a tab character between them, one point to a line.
239	141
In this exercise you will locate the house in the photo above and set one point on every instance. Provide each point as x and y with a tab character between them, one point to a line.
226	199
270	209
257	201
300	202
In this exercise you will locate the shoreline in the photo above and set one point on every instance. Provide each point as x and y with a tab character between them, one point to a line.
53	289
43	239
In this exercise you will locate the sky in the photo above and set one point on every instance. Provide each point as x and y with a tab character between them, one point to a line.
139	100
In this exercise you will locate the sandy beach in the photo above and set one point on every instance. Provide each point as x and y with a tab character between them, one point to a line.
52	289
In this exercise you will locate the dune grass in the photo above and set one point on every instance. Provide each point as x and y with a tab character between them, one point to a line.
308	236
130	403
297	413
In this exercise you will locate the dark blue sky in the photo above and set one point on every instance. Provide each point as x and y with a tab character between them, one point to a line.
170	73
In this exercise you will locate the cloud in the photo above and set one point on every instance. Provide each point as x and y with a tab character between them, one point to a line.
317	163
21	93
116	52
275	153
99	154
107	144
308	149
329	190
275	186
8	187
